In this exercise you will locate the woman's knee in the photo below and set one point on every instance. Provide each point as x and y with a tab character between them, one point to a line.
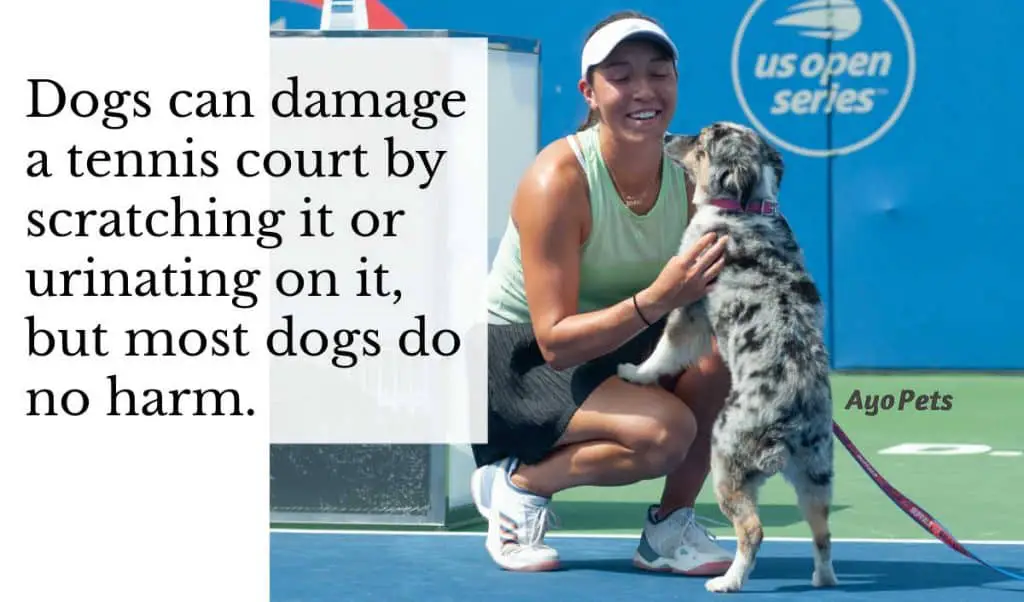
649	421
663	439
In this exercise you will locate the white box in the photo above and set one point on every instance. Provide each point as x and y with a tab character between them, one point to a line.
416	484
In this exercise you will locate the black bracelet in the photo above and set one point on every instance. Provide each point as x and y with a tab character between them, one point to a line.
640	313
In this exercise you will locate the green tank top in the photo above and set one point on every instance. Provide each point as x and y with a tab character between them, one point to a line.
624	252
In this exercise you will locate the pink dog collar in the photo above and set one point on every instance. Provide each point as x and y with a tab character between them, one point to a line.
758	207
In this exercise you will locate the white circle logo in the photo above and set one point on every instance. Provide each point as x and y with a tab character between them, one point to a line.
796	64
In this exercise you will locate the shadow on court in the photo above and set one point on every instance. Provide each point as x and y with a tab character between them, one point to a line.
606	516
456	568
854	575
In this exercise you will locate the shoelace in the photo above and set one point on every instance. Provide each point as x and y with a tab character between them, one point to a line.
694	521
538	521
710	522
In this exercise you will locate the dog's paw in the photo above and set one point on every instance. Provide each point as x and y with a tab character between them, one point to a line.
724	584
632	373
824	577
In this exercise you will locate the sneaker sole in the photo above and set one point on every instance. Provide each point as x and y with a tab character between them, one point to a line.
537	567
540	567
708	569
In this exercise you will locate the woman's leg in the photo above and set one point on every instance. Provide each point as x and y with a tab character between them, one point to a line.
621	434
672	540
703	388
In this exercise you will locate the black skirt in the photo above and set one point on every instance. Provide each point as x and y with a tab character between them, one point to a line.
529	403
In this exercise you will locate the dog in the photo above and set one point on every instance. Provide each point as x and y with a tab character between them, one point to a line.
765	314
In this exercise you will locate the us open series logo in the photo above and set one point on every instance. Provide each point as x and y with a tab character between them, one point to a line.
788	80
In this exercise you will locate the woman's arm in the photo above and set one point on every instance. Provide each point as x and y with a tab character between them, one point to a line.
551	212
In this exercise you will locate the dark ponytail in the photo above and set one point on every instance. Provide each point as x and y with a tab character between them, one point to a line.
590	121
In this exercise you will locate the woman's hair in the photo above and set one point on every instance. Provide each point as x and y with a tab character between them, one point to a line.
592	115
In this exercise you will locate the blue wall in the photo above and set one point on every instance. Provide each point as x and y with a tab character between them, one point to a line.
912	236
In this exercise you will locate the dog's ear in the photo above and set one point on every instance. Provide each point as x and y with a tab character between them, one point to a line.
776	163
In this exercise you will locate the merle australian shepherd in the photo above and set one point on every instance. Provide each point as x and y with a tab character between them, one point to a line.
765	315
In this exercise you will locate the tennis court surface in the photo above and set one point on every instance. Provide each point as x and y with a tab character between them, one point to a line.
353	567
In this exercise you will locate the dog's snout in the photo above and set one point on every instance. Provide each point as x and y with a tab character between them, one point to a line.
679	144
681	139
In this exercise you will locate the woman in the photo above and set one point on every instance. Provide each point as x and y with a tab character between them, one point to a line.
583	278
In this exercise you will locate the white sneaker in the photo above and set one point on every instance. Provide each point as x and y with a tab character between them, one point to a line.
678	544
517	520
480	485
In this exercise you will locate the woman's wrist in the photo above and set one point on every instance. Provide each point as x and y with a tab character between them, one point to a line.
646	304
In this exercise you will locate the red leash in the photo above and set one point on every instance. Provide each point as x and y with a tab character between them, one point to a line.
910	508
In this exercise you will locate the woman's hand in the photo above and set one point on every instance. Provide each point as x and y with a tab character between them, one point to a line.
686	278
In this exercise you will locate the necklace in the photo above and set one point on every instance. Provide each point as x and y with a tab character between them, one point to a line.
634	201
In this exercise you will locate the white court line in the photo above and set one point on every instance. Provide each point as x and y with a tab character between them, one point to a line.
966	542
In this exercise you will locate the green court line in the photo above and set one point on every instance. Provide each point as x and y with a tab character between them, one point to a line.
977	497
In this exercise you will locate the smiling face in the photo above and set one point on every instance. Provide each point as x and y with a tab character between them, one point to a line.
634	90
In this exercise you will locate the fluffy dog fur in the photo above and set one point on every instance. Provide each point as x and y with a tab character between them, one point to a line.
765	314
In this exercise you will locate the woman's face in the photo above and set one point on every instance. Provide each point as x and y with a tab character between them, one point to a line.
634	90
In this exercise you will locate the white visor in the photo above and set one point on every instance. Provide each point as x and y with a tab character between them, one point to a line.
604	41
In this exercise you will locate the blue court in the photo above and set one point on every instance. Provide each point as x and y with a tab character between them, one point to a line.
353	567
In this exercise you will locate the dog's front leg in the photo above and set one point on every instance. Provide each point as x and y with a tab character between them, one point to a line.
687	338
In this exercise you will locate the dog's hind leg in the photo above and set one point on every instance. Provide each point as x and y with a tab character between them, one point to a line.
816	513
686	338
813	486
736	490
